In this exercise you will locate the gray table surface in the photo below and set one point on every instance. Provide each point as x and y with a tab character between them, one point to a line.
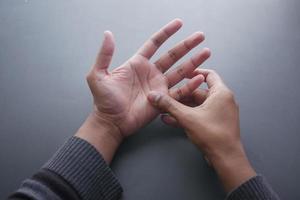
47	47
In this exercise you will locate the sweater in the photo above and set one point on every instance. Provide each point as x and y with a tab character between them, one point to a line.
77	171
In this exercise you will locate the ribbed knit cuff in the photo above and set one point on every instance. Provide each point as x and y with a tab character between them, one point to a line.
256	188
80	164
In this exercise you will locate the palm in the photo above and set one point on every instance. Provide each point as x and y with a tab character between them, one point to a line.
120	96
125	92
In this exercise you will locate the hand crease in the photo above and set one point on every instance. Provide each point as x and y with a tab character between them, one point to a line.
139	80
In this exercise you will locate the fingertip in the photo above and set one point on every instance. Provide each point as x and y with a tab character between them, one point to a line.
164	118
207	52
178	21
196	71
108	42
201	77
169	120
198	37
154	96
202	55
108	34
197	80
176	24
200	34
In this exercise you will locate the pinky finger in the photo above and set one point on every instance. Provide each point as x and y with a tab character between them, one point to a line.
169	120
188	88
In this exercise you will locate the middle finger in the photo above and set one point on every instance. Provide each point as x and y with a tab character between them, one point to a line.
177	52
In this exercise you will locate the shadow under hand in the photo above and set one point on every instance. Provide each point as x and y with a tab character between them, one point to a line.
159	162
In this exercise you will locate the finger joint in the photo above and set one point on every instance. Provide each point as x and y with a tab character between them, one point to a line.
180	72
186	46
172	55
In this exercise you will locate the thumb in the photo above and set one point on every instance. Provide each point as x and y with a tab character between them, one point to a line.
105	54
166	103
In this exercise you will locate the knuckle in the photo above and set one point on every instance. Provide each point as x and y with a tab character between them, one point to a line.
166	103
228	95
172	55
179	93
156	41
186	45
212	71
88	77
193	62
166	33
159	66
134	62
189	88
181	72
89	80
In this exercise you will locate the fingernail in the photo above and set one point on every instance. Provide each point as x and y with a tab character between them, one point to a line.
107	32
154	96
201	77
164	114
207	50
178	20
199	35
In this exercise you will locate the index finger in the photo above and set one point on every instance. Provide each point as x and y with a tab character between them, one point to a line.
212	78
157	39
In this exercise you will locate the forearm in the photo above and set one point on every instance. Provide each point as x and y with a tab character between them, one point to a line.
77	171
238	177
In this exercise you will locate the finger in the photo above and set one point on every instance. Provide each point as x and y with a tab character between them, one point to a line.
188	88
169	120
177	52
200	95
196	98
158	38
187	67
188	101
212	78
166	103
106	52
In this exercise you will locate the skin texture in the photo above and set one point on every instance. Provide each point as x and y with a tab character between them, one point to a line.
210	118
121	106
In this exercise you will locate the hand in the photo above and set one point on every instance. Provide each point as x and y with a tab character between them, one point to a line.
213	125
120	96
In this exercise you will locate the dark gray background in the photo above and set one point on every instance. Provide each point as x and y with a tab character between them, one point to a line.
47	47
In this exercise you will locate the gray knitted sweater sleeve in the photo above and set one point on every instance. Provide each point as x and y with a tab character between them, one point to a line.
77	171
257	188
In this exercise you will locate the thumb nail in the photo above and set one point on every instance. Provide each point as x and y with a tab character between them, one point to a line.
154	97
107	32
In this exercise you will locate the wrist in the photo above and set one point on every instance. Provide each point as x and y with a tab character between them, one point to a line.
232	168
101	134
